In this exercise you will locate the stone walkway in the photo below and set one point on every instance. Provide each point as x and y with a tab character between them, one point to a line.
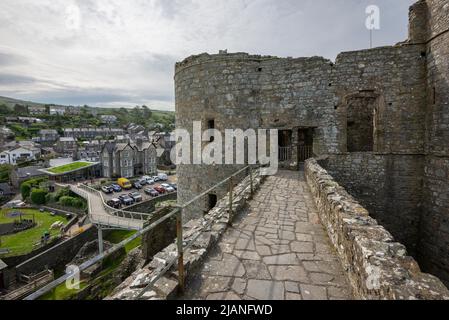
276	250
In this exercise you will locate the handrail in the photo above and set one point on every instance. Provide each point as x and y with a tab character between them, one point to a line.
180	240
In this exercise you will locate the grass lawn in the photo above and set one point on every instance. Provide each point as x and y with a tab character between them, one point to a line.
61	292
22	242
118	236
69	167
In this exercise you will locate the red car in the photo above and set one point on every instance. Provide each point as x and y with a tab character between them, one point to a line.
160	189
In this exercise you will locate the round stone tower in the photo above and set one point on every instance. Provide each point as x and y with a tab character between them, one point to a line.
242	91
433	247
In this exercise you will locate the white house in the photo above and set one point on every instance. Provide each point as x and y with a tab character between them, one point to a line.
19	154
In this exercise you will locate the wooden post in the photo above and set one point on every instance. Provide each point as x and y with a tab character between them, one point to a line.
180	240
231	214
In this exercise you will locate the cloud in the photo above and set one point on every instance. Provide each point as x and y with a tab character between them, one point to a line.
112	52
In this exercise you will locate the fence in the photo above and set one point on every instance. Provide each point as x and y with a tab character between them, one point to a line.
181	248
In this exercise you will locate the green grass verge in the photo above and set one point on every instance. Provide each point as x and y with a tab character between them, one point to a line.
61	292
118	236
69	167
22	242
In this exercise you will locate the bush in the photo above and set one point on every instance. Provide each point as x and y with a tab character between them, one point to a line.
25	190
49	198
66	201
38	196
61	193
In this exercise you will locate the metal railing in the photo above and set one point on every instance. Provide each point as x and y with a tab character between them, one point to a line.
181	248
285	153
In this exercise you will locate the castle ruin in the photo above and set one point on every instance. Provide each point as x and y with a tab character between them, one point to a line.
377	119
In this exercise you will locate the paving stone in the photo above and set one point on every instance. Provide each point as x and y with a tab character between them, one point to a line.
292	287
265	290
239	285
284	259
302	247
256	270
310	292
230	266
223	296
287	235
293	296
288	273
247	255
263	250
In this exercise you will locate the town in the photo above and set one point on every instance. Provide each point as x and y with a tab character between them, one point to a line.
46	149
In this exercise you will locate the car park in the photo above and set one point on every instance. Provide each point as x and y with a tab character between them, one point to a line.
116	187
114	203
107	189
151	192
136	196
126	200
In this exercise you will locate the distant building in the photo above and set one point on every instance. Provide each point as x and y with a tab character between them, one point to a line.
48	136
19	154
37	110
73	171
6	134
24	120
66	146
92	133
165	141
20	175
57	110
108	119
128	159
90	150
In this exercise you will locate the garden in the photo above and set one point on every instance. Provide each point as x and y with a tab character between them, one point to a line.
25	242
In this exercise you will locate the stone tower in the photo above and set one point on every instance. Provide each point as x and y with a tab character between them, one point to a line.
387	105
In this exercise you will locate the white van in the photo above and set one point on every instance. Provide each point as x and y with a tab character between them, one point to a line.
162	177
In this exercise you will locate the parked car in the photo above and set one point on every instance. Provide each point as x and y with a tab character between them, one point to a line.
156	179
174	186
150	181
136	196
142	182
114	203
151	192
167	187
116	187
137	185
107	189
160	189
126	200
124	183
162	177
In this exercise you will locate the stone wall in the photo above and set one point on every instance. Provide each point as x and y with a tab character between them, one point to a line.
389	186
377	266
58	255
434	237
209	228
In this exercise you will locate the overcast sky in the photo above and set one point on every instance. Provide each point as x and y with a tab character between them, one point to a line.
122	52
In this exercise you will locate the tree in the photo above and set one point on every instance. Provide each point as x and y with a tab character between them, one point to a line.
20	109
38	196
4	109
25	190
5	171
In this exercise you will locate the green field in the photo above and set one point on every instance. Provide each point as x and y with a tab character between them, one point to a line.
69	167
118	236
22	243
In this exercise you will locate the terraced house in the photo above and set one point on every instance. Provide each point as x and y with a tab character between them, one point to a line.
128	159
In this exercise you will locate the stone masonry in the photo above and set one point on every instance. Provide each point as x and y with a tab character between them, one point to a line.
276	249
390	103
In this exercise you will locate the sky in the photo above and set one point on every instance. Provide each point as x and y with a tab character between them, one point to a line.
109	53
